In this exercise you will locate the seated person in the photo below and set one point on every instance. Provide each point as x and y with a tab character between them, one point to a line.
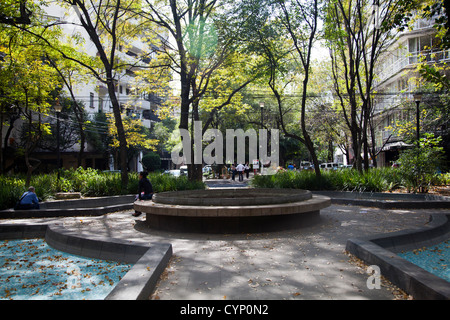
145	190
29	200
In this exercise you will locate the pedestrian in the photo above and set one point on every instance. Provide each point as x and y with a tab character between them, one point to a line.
247	169
145	190
233	171
29	200
240	170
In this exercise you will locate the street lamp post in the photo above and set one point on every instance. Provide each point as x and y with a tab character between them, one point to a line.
58	109
418	99
261	105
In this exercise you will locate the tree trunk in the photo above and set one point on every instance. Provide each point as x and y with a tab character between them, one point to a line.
120	131
108	64
2	164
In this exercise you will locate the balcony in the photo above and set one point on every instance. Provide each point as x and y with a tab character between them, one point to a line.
382	137
410	62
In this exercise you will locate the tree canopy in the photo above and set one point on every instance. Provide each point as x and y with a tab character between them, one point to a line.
216	61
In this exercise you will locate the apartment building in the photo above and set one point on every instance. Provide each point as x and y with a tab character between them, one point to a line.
395	84
134	98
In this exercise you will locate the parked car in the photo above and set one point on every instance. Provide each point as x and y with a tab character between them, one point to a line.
184	170
329	166
175	172
306	165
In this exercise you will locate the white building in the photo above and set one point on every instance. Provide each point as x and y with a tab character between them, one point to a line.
394	83
133	98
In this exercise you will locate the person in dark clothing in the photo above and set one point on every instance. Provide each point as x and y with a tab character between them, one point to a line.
29	200
145	190
145	187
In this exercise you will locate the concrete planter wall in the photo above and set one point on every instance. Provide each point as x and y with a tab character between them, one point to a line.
381	250
149	260
73	207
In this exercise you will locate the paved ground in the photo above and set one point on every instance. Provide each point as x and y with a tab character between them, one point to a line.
308	263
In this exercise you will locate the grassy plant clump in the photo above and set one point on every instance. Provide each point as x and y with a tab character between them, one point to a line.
10	191
373	180
89	182
294	180
164	182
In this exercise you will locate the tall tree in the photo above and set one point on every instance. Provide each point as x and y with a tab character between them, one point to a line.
300	19
283	34
104	22
202	44
358	31
108	26
27	91
72	73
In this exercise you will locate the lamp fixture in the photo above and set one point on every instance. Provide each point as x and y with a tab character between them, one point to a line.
58	107
417	97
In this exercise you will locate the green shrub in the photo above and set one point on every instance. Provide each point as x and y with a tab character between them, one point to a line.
164	182
151	161
420	163
104	184
89	182
441	179
293	180
10	191
45	185
374	180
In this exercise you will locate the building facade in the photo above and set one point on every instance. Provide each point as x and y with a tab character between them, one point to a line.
396	84
134	98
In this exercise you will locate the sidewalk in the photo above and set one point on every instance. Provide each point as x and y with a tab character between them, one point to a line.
308	263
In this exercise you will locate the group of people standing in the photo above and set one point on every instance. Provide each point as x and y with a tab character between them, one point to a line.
240	169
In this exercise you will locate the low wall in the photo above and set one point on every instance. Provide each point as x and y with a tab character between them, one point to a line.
149	260
381	250
74	207
88	202
388	200
232	197
223	211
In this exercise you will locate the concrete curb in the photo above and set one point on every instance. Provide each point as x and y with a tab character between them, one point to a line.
387	200
73	208
381	250
149	260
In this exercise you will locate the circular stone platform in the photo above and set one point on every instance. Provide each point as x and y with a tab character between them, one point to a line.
232	210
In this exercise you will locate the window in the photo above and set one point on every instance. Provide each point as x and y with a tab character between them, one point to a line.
402	84
100	104
425	43
91	100
413	45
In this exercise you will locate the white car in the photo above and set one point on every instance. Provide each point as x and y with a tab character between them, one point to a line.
175	173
